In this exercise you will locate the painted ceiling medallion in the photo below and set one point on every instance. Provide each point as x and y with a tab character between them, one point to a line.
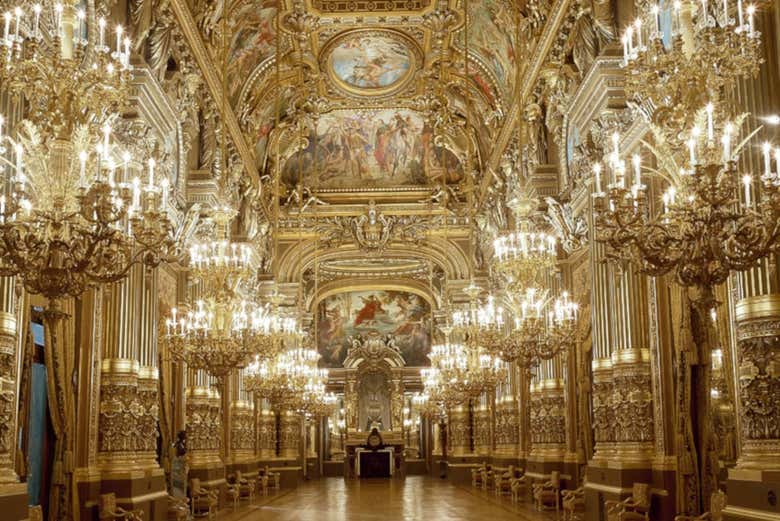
370	62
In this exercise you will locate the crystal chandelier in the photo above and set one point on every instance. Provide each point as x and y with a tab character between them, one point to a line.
713	219
460	372
673	71
288	380
72	215
521	254
222	330
542	329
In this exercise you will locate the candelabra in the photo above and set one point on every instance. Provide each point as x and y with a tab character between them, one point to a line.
290	381
460	372
71	215
222	331
520	255
542	329
707	227
672	71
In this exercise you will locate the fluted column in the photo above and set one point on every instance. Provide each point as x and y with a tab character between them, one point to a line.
13	495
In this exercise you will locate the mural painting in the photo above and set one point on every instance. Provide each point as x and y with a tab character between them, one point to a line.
401	318
372	149
370	61
492	36
253	41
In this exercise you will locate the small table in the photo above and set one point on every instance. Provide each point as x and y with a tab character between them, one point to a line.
374	463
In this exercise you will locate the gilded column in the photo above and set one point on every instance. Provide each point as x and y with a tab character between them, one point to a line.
751	485
547	420
507	430
204	430
242	427
481	426
13	495
290	435
266	434
459	436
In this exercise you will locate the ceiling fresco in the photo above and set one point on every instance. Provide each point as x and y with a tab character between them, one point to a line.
369	62
371	149
253	40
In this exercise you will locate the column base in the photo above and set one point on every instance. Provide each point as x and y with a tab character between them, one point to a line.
144	490
13	501
753	494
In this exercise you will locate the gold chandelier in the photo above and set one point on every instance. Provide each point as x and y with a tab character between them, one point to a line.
673	71
542	329
290	381
72	215
520	255
222	330
713	220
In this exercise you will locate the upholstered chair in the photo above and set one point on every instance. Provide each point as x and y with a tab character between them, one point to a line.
634	508
478	475
246	486
178	508
504	481
35	513
108	509
546	494
573	503
717	504
519	488
274	479
203	501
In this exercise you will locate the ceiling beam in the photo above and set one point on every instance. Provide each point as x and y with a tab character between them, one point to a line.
214	84
526	86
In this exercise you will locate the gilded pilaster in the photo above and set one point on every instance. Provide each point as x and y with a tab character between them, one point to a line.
548	419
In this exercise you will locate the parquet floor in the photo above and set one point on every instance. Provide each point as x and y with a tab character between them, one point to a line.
416	497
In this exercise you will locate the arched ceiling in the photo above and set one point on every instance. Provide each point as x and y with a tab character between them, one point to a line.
359	93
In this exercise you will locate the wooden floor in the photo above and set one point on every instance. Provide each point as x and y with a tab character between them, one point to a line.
416	497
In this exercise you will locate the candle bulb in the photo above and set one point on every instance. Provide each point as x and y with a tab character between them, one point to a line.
19	164
151	173
164	185
637	160
36	24
81	15
747	180
751	10
630	37
692	150
767	148
18	16
677	9
7	17
136	193
625	49
58	18
638	24
710	130
740	16
102	26
118	40
777	162
725	13
704	11
657	12
99	152
726	140
111	172
106	139
127	52
125	164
